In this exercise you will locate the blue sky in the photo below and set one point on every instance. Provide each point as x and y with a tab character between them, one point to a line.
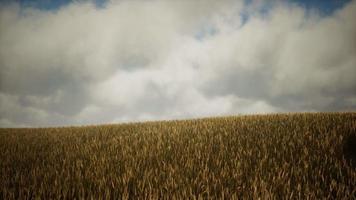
324	6
52	4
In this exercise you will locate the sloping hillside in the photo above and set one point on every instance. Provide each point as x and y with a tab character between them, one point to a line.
270	156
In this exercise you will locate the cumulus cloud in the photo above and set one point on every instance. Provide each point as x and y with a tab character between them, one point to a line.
140	60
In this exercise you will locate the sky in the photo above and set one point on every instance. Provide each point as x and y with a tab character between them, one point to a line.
81	62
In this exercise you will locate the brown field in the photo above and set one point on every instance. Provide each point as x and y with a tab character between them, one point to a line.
281	156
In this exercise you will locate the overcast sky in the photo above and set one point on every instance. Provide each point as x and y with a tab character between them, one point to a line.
82	62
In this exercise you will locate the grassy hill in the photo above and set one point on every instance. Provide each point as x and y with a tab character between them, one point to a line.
285	156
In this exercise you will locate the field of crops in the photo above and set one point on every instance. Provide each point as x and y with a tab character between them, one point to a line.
283	156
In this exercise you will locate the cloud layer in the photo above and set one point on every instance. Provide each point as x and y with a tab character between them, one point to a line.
139	60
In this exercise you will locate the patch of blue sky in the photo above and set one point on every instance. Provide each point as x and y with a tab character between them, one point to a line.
44	4
51	5
323	7
263	10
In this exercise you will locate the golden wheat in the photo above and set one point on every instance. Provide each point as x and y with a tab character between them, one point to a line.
280	156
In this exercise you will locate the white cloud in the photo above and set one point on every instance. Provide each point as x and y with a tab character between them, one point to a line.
139	60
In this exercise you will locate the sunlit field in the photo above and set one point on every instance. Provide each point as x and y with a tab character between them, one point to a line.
281	156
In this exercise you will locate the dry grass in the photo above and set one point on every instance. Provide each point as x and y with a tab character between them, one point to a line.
295	156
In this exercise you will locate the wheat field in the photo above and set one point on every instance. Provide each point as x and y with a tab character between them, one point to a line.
277	156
